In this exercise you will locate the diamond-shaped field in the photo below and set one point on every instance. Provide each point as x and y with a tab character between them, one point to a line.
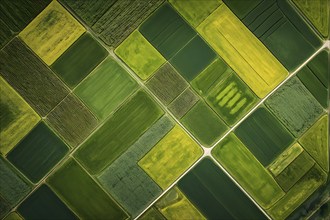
164	109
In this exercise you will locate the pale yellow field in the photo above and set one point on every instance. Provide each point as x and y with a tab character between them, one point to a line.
17	117
244	53
174	154
175	205
52	32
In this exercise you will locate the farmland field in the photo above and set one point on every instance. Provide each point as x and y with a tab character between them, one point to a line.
167	31
195	11
245	54
204	124
44	203
52	32
166	84
124	176
263	135
315	142
214	194
64	182
79	60
139	55
245	168
72	120
15	15
38	152
30	77
106	88
118	133
175	205
13	216
174	154
294	106
183	103
16	117
153	214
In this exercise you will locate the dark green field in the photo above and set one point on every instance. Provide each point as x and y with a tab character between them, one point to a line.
214	194
44	204
193	58
79	60
183	103
119	132
167	31
204	124
38	152
167	84
72	120
64	183
263	135
30	77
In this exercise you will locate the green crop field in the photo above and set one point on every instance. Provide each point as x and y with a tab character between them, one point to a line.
119	132
43	203
30	77
245	168
38	152
204	124
162	162
64	183
164	109
106	88
72	120
16	117
79	60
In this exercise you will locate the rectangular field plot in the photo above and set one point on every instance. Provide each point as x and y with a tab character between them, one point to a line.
106	88
30	77
166	84
167	31
244	53
195	11
38	153
214	194
113	21
175	205
140	55
65	181
79	60
170	157
152	213
44	204
183	103
16	117
126	181
72	120
119	132
52	32
298	193
204	124
294	106
13	216
246	169
15	15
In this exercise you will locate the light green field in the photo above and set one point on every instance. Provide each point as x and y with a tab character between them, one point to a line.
285	158
315	142
195	11
13	216
317	11
140	55
170	157
244	53
52	32
16	117
106	88
298	193
175	205
248	171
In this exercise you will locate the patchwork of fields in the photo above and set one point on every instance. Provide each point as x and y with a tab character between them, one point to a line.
164	109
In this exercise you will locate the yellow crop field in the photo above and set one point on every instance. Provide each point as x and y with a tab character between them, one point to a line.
170	157
52	32
17	117
243	52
